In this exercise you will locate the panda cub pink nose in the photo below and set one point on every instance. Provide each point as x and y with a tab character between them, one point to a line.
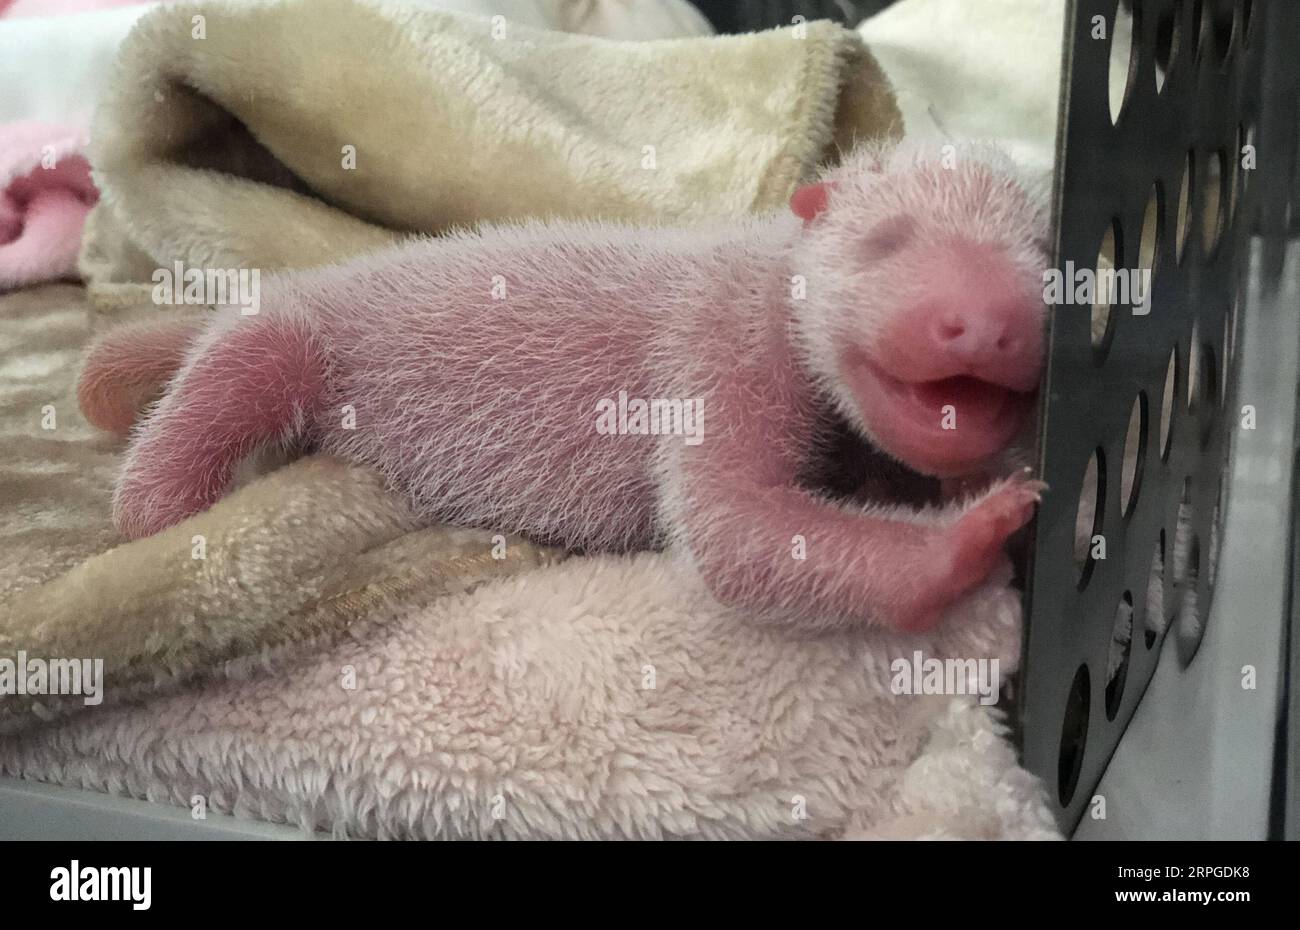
999	341
982	334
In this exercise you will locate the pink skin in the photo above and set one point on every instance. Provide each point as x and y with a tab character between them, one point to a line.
921	291
128	369
964	343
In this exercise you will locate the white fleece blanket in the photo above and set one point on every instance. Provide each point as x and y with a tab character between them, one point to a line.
975	70
603	698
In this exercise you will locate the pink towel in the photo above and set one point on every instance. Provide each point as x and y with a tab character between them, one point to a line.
16	8
45	194
45	186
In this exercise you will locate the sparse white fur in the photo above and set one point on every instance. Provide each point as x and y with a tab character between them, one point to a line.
473	365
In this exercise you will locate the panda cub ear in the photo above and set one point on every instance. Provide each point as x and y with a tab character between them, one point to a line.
810	200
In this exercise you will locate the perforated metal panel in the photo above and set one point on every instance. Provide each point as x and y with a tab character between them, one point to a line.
1152	178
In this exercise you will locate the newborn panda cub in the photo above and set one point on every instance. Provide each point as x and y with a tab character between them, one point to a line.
610	388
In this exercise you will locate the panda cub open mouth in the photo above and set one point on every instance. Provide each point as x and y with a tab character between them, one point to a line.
966	396
940	426
944	403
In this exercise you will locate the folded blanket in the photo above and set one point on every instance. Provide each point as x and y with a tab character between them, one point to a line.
303	160
56	55
55	58
291	556
241	580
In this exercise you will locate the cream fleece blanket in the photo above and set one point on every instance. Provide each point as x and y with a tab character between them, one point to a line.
55	58
229	152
